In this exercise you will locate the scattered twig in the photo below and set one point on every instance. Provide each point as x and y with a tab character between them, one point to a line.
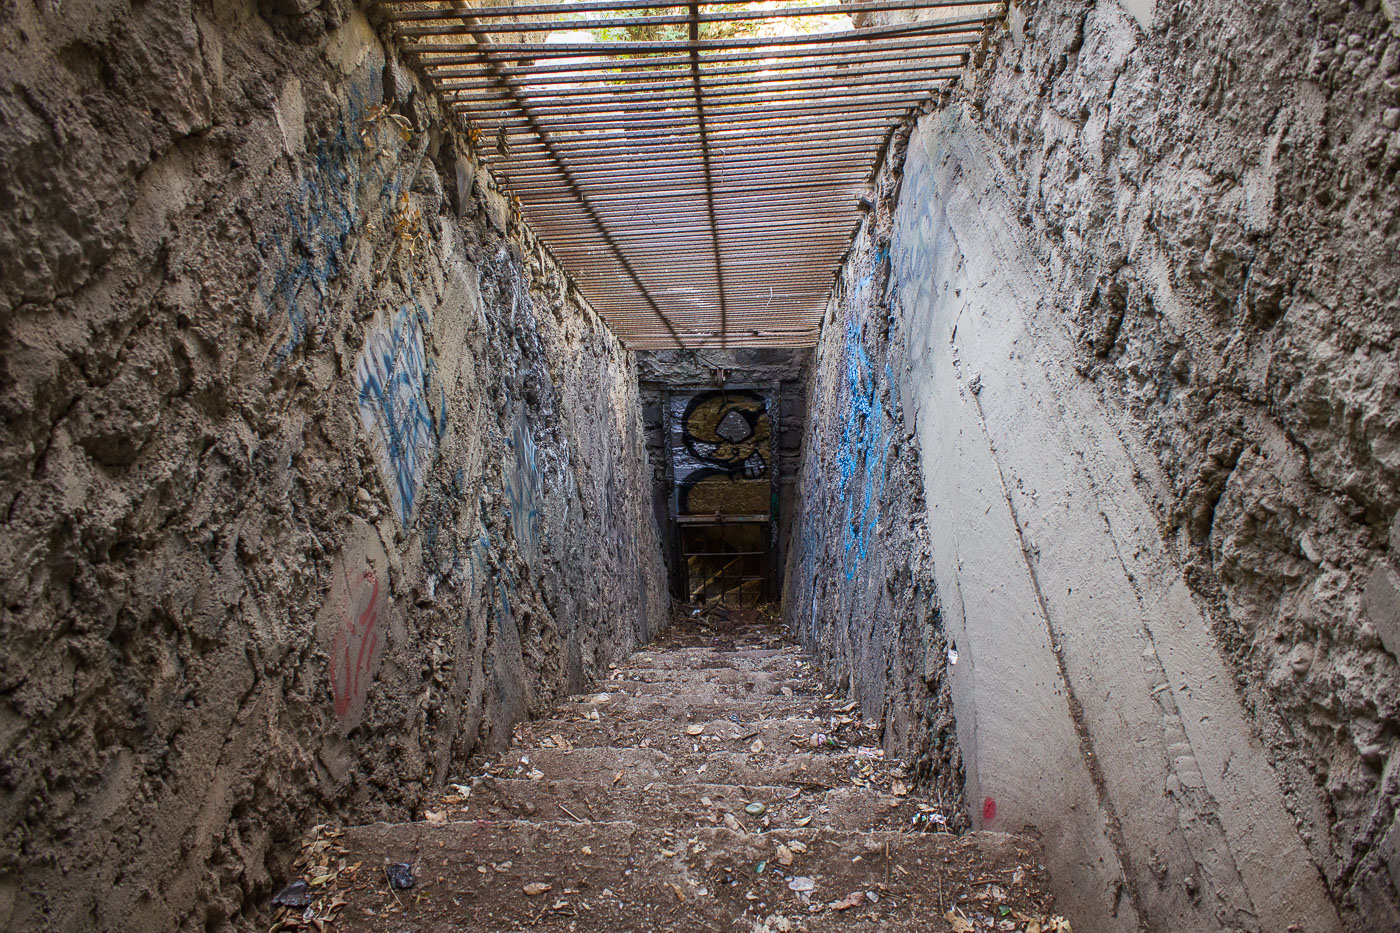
569	812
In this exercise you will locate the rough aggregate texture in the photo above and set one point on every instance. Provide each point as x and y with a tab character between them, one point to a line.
1212	192
1219	201
317	474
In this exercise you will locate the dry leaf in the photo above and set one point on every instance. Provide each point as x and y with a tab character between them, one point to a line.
680	895
784	855
435	817
854	899
899	788
797	846
803	822
536	888
959	923
618	776
1059	925
733	823
695	729
757	746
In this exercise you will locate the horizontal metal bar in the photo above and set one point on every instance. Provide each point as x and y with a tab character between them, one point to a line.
625	97
527	168
874	130
814	99
735	121
488	13
778	72
835	39
657	179
882	50
631	174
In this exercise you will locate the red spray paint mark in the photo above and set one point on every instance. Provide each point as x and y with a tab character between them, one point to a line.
354	646
989	810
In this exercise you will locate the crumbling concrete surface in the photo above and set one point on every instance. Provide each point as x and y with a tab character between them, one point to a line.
317	474
1144	268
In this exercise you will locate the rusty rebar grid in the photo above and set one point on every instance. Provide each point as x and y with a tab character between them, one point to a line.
700	191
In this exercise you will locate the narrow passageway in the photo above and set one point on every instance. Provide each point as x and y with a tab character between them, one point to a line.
711	783
378	377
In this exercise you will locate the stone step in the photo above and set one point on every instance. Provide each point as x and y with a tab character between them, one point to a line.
644	765
754	685
703	709
692	805
709	674
624	878
673	736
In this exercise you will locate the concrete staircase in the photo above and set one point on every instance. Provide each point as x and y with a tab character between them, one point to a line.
709	785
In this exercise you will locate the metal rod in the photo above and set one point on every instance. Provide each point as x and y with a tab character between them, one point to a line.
588	210
736	118
851	6
748	45
832	91
778	72
882	50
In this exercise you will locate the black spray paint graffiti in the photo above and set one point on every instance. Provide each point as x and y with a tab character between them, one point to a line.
722	454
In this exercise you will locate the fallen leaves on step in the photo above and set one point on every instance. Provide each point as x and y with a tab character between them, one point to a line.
899	788
695	729
435	817
958	922
536	888
854	899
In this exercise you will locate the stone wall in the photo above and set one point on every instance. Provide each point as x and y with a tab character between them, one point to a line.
1144	278
317	473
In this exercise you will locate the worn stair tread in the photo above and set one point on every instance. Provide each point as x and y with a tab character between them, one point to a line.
751	687
633	765
636	824
685	804
669	735
472	876
718	707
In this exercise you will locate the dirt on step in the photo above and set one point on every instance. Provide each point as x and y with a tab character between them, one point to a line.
710	784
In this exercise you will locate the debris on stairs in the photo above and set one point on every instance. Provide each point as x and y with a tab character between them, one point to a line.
709	784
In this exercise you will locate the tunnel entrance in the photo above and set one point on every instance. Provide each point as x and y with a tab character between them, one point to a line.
724	435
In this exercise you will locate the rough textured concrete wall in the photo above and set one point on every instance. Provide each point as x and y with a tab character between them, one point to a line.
858	586
1144	263
317	475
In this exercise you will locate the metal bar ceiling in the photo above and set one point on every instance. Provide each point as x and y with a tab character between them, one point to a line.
701	191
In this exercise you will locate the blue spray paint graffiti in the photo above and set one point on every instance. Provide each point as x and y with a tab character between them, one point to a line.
861	456
499	587
522	488
392	377
327	210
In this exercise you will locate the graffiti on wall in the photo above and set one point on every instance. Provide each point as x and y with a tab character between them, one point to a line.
353	621
863	451
523	488
722	452
352	172
392	379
